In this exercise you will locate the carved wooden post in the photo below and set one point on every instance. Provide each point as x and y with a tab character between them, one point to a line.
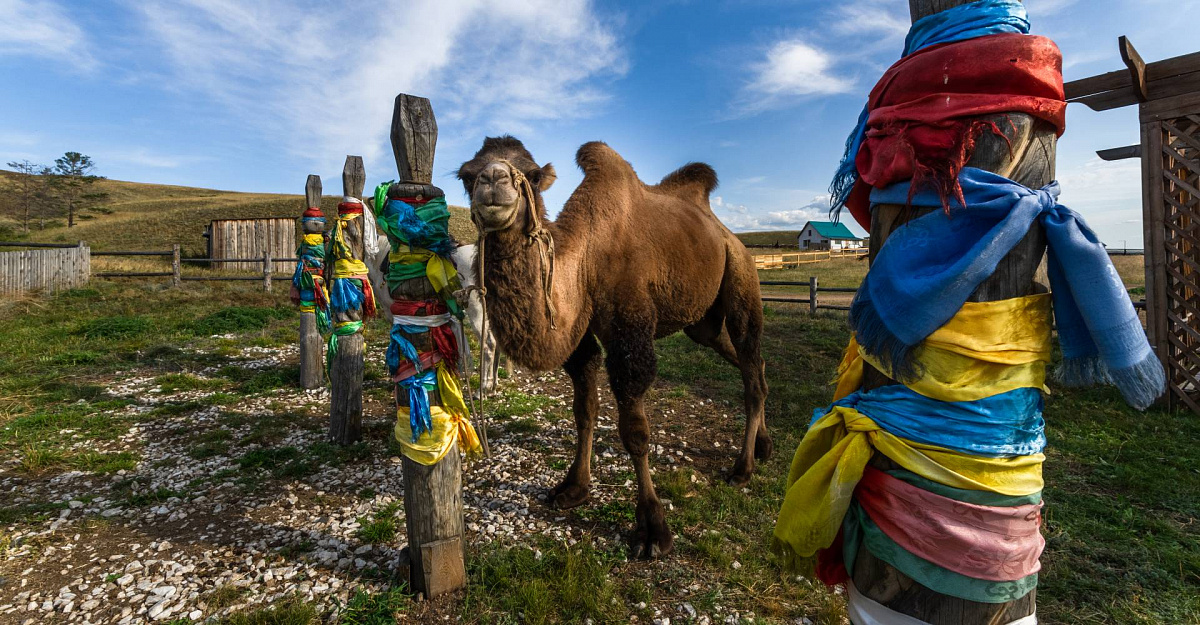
432	494
1029	161
312	232
346	366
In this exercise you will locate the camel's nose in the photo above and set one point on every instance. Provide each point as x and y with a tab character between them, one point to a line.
494	173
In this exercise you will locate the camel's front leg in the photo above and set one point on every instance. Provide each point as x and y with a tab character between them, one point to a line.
632	367
583	367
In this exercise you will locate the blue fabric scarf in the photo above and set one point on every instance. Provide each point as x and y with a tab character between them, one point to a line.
1008	424
928	268
968	21
420	420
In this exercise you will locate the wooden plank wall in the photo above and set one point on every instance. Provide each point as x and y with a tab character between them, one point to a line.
251	238
45	270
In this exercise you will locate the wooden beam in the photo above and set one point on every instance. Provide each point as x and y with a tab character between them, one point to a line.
433	506
346	370
312	357
1137	68
1026	155
1118	154
414	138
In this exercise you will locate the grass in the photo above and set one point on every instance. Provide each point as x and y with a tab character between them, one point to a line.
289	611
380	608
379	527
785	239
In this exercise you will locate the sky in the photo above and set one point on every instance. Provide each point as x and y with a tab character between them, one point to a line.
254	95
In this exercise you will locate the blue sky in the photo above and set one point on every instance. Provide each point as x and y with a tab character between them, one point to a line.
254	95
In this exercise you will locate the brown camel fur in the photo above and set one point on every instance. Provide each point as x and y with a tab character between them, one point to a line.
633	263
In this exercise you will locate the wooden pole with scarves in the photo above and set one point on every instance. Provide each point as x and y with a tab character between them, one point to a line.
427	353
308	286
920	488
1025	154
350	303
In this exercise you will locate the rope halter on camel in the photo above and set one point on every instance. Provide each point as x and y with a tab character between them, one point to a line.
534	233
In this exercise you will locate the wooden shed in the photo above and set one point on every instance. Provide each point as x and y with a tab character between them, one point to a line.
252	238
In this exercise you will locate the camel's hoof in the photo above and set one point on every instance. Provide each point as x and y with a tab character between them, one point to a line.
653	538
738	478
566	496
763	447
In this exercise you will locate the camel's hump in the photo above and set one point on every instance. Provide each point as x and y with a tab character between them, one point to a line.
694	181
596	156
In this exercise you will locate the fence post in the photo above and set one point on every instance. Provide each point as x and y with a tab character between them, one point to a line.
312	362
346	370
432	493
812	295
176	279
267	271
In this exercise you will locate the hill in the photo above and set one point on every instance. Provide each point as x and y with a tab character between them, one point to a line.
143	216
781	238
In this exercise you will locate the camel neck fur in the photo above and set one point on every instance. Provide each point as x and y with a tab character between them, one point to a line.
513	273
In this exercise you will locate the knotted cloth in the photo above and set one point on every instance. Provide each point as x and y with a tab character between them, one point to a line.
420	242
308	283
350	288
958	24
927	269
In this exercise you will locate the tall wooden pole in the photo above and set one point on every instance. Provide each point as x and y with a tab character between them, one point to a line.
1029	161
346	370
312	366
433	504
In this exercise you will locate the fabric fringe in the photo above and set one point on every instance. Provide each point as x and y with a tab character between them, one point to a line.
1140	384
876	339
344	295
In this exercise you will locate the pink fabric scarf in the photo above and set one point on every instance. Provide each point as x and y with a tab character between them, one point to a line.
983	542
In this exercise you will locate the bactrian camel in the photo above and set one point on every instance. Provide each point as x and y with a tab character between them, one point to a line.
626	263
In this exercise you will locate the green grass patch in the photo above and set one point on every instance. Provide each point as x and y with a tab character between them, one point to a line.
176	382
115	327
30	513
97	462
563	585
379	527
238	319
522	426
290	611
374	608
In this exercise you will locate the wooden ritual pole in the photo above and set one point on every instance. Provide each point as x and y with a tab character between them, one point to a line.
1029	161
346	370
433	504
312	365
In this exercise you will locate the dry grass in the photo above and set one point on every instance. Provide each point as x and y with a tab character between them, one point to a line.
153	217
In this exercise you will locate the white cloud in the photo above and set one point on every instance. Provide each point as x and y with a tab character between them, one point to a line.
323	82
41	28
1108	195
793	67
143	157
740	219
871	17
1042	8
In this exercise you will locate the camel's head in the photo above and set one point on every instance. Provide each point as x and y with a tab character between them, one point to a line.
496	181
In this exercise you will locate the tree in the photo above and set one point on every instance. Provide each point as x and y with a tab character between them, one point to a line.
74	179
32	189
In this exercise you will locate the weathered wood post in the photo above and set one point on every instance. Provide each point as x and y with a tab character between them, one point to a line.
176	278
1029	161
432	492
267	271
308	286
812	295
346	343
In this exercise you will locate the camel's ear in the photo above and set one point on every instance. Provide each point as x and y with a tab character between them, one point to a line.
543	178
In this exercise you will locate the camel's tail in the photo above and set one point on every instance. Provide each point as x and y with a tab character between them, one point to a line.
693	182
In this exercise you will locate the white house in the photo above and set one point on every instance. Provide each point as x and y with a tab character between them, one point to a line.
826	235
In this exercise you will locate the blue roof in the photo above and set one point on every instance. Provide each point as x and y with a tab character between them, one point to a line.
830	230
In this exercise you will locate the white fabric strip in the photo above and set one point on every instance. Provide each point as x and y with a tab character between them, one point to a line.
866	611
425	321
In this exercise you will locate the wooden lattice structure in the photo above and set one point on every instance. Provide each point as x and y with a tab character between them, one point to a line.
1168	96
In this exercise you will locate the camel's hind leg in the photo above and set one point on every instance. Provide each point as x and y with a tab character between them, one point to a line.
584	367
632	367
743	326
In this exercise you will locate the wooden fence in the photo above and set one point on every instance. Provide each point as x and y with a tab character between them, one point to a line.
795	259
266	267
48	268
231	241
814	291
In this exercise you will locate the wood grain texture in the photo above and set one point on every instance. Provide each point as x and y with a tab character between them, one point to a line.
312	357
414	138
346	370
1025	154
432	494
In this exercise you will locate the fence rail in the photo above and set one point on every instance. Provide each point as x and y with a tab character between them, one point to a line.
28	272
795	259
814	291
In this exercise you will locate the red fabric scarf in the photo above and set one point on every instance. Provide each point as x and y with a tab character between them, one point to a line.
444	342
924	111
